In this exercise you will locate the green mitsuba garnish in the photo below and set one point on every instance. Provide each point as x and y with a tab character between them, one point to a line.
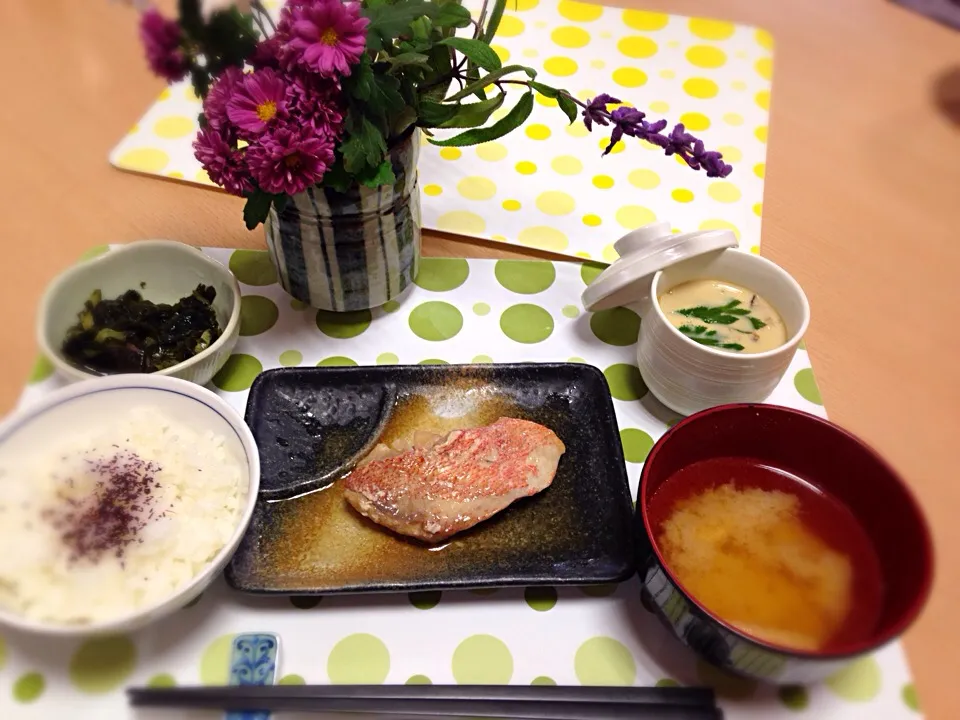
704	336
726	314
720	315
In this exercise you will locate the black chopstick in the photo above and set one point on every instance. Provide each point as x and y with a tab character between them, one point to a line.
524	693
423	701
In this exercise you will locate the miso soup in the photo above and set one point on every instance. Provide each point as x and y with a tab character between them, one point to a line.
768	553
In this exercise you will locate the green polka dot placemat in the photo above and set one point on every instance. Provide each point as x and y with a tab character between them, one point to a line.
459	311
546	185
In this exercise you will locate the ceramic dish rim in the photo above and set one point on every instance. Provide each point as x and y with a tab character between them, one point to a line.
43	316
852	650
159	383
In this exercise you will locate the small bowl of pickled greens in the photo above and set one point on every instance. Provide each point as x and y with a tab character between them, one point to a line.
153	306
130	334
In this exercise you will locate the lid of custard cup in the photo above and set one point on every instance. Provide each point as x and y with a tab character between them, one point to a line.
644	252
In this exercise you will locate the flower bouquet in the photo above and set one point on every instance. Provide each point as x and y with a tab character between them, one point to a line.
316	121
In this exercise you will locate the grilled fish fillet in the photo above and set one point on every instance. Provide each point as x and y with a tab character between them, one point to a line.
441	486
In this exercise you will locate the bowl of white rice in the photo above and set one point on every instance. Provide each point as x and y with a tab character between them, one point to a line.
121	499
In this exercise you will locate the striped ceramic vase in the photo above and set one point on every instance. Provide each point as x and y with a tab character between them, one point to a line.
353	250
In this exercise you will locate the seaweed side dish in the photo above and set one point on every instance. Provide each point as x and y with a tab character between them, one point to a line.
131	335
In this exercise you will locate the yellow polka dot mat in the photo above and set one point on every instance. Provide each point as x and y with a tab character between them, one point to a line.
460	311
546	184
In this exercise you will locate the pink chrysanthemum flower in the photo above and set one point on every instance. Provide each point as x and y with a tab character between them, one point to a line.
223	162
257	100
324	36
289	159
317	101
161	39
267	53
220	93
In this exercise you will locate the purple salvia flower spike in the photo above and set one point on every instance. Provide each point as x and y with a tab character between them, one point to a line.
632	122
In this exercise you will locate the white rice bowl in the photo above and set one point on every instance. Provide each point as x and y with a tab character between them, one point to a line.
120	522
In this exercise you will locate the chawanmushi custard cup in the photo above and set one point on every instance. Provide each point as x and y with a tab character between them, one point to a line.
701	353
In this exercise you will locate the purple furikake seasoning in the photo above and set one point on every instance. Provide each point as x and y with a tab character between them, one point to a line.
112	517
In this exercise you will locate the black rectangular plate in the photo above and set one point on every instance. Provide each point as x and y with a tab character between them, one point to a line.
312	424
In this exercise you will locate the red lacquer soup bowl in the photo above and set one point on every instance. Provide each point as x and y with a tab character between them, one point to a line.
834	465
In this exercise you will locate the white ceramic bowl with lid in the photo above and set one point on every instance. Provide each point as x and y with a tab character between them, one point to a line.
684	375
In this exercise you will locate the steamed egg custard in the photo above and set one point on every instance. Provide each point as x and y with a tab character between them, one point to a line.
724	316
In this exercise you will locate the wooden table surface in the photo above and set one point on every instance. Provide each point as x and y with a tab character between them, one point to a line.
861	206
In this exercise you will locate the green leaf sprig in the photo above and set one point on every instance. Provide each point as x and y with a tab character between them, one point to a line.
417	72
700	334
726	314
